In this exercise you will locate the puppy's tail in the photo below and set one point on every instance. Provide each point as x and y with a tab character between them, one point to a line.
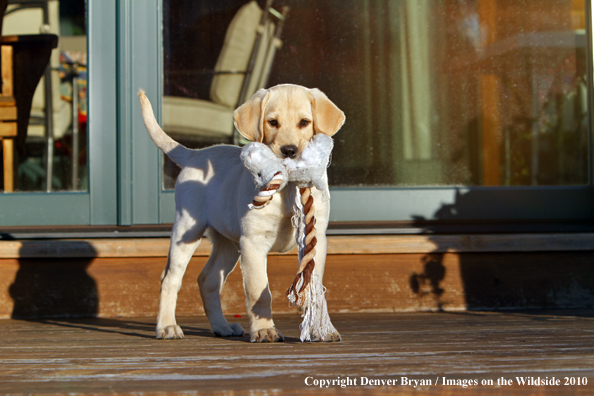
174	150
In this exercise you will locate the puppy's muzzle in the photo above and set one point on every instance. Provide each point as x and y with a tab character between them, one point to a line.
289	151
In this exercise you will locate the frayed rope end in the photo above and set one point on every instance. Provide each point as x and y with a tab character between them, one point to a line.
316	324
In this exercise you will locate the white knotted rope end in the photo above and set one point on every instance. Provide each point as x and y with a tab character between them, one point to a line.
316	324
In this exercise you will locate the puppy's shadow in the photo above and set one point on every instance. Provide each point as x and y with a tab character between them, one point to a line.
200	332
119	326
112	326
145	330
246	339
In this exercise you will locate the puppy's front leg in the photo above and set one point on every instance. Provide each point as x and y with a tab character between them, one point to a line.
254	252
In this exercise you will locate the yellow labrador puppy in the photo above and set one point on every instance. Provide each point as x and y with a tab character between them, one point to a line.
212	194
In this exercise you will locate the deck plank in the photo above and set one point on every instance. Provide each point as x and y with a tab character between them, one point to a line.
94	356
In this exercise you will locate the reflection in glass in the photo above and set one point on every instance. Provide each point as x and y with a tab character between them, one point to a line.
50	150
201	91
436	92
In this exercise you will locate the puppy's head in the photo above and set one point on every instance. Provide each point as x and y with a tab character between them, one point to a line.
286	117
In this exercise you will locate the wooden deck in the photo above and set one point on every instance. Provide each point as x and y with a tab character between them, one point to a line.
443	351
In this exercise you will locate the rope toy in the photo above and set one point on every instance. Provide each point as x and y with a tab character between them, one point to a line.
272	174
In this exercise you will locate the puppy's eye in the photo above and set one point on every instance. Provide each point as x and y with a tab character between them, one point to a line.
273	123
303	123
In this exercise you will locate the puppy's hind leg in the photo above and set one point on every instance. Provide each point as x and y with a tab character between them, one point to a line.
220	264
185	238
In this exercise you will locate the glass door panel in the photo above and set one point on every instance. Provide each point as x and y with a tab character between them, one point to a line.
50	151
442	97
52	181
442	93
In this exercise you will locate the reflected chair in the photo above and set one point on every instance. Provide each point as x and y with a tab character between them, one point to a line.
29	61
242	68
8	118
49	117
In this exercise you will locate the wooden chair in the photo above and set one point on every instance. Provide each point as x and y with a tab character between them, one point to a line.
24	60
8	117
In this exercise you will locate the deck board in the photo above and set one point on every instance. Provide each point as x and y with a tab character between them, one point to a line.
94	356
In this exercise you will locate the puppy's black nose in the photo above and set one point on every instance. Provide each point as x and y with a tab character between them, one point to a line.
289	151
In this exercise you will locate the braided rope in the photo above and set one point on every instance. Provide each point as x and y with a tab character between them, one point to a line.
265	195
307	264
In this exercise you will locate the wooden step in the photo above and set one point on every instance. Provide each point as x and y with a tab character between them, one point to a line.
337	244
129	286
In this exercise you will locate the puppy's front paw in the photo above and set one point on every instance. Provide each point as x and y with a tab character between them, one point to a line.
170	332
232	330
267	335
332	337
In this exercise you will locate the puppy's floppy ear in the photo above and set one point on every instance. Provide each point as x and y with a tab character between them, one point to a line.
328	118
249	117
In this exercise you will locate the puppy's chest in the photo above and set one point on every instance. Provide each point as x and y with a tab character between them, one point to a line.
281	208
285	200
